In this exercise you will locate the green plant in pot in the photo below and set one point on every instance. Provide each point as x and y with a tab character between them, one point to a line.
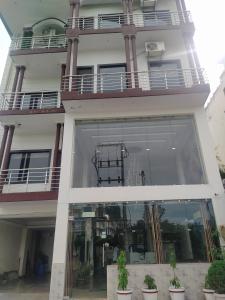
123	293
216	278
151	292
176	290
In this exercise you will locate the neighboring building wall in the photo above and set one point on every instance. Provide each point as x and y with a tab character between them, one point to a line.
216	119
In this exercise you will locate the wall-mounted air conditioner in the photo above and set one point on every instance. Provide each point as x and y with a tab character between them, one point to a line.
148	3
154	48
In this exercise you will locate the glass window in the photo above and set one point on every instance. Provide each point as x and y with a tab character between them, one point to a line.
84	80
100	231
29	166
182	229
110	21
165	74
157	18
112	78
157	151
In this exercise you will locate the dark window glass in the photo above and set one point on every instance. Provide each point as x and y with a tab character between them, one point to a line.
86	23
182	229
157	18
31	167
110	21
165	75
84	80
112	78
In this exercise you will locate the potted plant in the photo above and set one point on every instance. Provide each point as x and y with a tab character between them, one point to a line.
216	278
208	292
151	293
122	292
175	289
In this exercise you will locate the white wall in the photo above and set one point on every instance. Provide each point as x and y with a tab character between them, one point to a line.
216	119
10	239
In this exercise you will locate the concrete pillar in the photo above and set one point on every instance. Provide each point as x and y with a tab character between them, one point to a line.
135	65
6	157
19	86
128	60
23	252
14	87
63	73
75	55
59	253
3	143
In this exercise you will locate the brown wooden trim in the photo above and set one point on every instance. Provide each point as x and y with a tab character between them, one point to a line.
75	55
63	73
30	196
15	112
68	58
5	162
55	156
3	143
19	86
37	51
68	96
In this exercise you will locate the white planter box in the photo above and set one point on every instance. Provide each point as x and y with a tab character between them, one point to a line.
177	294
124	295
150	294
219	296
209	294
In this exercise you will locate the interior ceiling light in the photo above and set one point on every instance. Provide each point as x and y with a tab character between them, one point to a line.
173	148
148	149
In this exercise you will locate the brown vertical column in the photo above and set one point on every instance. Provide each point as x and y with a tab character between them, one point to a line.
19	86
75	54
15	82
55	171
128	60
63	73
125	11
130	10
3	143
5	161
134	51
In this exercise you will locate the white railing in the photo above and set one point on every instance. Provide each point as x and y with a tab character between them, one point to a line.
30	100
120	82
154	18
37	42
29	180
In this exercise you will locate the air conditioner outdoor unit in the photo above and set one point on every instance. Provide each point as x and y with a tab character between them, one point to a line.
155	48
148	3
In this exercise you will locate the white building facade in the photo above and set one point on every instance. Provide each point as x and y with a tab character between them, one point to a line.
105	147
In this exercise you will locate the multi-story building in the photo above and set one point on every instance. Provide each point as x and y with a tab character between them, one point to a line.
105	147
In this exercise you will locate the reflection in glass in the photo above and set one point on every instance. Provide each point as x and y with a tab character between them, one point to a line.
182	229
137	152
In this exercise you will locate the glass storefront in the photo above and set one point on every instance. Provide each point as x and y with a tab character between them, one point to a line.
145	230
137	152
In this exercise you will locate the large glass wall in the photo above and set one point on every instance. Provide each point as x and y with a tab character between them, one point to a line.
145	230
137	152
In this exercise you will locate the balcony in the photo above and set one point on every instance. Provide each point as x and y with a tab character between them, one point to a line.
38	44
90	84
179	87
30	102
36	181
154	19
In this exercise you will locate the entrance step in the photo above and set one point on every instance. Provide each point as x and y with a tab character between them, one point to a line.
24	296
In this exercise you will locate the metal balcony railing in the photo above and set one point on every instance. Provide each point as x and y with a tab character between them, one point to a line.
147	81
29	180
30	100
154	18
39	42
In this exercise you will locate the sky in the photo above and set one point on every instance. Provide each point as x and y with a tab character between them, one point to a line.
209	19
